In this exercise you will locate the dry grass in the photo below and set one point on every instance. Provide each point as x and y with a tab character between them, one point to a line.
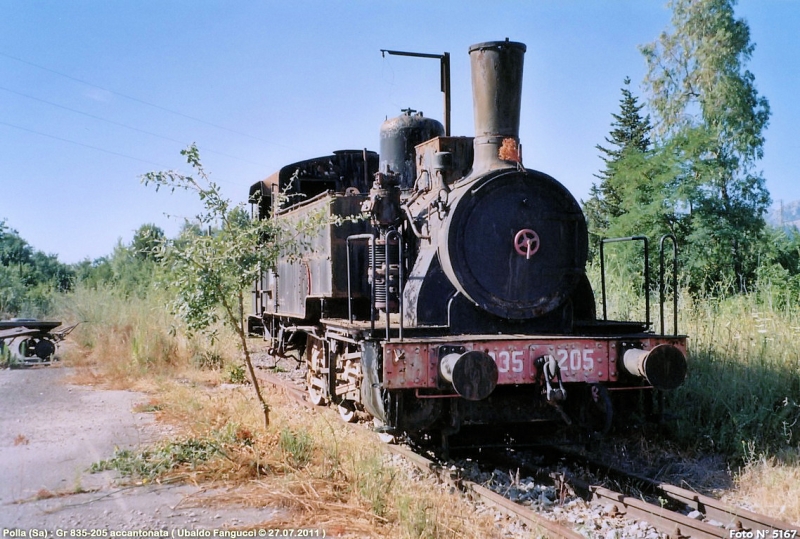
741	399
312	466
44	494
771	485
317	469
130	342
21	439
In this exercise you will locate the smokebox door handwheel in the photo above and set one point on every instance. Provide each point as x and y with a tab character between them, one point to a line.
526	242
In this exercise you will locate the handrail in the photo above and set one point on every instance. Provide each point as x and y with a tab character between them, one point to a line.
674	281
371	239
646	273
394	234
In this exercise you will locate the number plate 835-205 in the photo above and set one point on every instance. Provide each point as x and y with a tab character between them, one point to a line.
415	364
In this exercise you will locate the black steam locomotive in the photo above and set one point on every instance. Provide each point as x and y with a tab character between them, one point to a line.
462	299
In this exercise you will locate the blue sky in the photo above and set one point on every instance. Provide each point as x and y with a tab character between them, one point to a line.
95	93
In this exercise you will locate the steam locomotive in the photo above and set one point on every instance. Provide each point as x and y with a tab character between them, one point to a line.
462	299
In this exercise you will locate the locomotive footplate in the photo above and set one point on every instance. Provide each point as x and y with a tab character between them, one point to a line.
415	363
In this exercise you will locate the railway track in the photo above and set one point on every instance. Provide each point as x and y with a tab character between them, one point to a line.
709	518
706	517
534	520
681	514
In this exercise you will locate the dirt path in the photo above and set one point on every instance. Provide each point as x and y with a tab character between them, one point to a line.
51	432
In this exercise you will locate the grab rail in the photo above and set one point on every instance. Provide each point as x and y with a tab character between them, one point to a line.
646	273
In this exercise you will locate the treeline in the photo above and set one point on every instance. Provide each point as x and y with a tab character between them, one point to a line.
30	280
684	162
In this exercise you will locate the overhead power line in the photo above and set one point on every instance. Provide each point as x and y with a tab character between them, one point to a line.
136	99
84	145
123	125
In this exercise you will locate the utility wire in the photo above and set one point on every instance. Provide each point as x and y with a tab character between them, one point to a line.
140	100
123	125
84	145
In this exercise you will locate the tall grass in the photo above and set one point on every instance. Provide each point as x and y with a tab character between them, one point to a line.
127	336
741	397
742	391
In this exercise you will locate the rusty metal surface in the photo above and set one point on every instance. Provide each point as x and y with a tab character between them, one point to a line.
19	332
399	136
322	270
663	366
497	69
30	323
675	524
461	152
414	363
338	172
731	517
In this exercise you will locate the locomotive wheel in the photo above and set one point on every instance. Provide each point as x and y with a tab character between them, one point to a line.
315	381
597	413
347	411
27	348
385	437
44	349
315	396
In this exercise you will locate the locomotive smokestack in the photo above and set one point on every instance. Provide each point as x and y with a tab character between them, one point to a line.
497	93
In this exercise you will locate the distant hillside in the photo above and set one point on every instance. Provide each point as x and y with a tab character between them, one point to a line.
791	214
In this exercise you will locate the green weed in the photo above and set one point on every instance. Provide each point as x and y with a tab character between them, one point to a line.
297	447
153	463
418	518
374	482
235	373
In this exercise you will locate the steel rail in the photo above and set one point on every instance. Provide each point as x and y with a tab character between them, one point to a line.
732	521
548	527
677	525
531	518
731	517
668	521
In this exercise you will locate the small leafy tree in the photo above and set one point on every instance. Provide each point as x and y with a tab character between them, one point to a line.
210	270
146	241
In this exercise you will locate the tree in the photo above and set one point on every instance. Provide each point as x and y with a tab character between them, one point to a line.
710	119
28	278
210	271
630	142
146	241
